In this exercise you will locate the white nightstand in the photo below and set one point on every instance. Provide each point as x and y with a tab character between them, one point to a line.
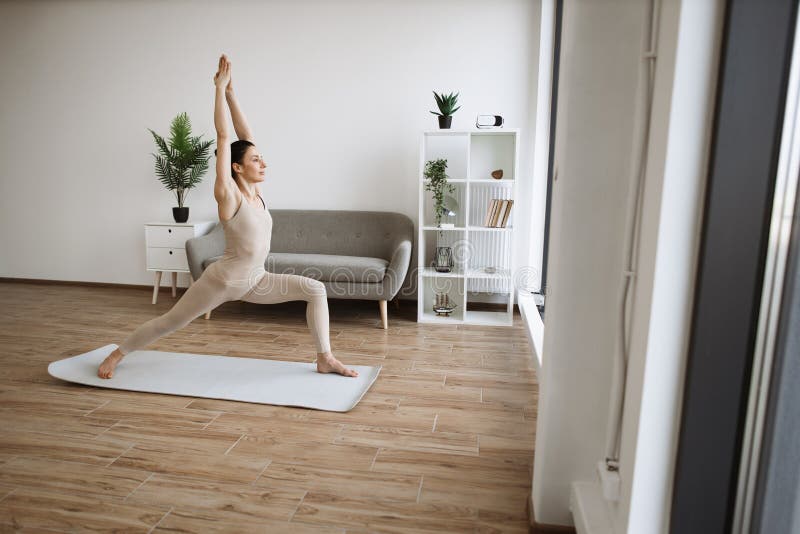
166	248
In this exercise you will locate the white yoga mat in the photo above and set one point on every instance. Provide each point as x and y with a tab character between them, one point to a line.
221	377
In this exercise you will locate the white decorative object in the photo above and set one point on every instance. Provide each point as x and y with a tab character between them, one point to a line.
449	212
489	121
165	244
472	156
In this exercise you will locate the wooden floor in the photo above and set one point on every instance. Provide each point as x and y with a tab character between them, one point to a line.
442	442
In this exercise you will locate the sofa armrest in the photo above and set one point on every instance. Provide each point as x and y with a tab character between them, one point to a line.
398	268
199	249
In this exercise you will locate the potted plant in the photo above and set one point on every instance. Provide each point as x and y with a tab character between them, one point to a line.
181	162
437	183
447	106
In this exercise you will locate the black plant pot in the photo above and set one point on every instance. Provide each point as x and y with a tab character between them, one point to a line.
444	122
181	215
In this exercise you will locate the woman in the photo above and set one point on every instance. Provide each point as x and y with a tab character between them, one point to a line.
239	274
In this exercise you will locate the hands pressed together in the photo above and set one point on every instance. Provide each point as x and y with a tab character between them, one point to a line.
225	100
222	79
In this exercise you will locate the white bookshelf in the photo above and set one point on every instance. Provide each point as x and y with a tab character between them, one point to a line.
471	157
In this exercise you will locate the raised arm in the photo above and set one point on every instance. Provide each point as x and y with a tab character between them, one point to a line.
224	179
239	121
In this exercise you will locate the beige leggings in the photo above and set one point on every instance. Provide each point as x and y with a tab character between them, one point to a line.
208	292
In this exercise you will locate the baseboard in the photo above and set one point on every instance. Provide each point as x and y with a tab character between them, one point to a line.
40	281
148	287
544	528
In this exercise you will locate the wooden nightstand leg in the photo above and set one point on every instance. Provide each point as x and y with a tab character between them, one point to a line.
156	285
385	322
174	284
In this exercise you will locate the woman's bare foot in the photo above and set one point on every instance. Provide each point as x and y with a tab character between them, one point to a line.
106	369
326	363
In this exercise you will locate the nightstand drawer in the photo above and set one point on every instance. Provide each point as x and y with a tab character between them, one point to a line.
168	236
167	259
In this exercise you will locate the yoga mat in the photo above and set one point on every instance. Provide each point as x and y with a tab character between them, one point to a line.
221	377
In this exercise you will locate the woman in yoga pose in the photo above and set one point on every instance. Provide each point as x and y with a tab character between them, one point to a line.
240	273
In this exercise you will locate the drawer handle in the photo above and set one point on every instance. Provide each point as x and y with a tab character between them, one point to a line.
169	230
170	252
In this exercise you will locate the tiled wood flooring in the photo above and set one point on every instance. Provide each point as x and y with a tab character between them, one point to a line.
442	442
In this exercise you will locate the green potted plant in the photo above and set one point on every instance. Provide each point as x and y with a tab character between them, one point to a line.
181	162
447	106
436	182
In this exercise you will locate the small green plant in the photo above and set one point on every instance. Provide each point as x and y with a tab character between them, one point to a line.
446	103
181	162
437	183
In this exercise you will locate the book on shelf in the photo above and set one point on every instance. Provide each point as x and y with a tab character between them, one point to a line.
498	213
487	221
498	204
488	213
501	213
509	203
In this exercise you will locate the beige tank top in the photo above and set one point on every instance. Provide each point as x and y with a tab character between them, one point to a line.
247	241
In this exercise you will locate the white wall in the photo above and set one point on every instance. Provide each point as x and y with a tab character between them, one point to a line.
597	85
581	321
686	75
337	93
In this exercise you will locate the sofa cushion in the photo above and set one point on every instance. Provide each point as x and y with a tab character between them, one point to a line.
324	267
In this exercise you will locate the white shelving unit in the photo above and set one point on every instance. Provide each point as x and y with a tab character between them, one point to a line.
471	157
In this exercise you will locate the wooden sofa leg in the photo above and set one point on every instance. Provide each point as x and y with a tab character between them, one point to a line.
382	304
208	314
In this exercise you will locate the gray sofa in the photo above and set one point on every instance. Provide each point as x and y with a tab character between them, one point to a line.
356	254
